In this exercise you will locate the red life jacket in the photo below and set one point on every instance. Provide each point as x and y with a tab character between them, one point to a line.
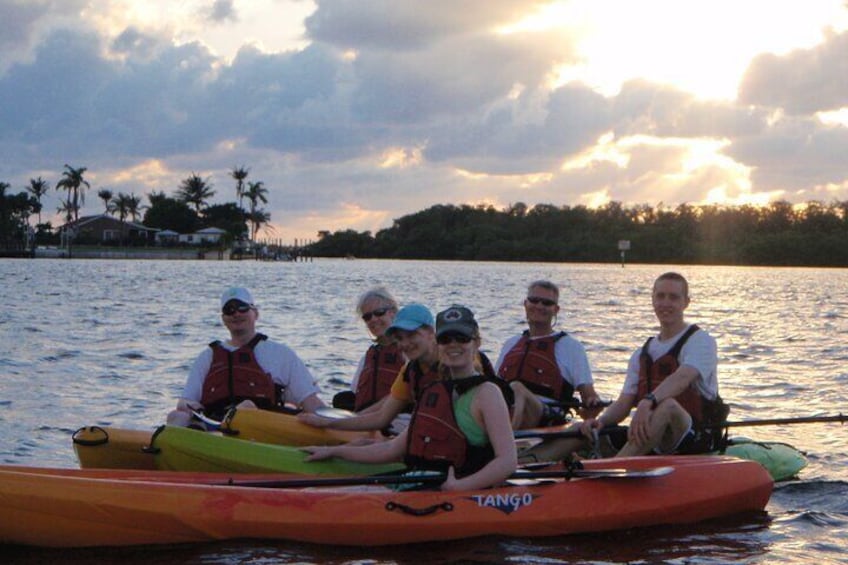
434	439
654	371
382	365
235	376
533	363
419	377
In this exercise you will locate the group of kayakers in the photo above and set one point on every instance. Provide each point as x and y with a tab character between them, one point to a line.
464	409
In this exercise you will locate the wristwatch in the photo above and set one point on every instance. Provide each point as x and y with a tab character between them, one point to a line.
650	396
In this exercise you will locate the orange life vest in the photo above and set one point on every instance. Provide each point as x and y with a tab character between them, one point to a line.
654	371
235	376
382	365
533	363
434	439
418	377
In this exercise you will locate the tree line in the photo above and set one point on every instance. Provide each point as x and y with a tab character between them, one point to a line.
186	211
815	234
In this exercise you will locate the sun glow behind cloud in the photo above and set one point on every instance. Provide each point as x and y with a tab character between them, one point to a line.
705	51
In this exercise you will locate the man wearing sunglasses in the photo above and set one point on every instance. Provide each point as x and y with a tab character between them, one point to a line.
246	370
545	368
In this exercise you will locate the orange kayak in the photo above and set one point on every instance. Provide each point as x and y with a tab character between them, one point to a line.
58	509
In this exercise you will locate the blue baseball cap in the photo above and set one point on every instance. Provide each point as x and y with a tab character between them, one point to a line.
411	317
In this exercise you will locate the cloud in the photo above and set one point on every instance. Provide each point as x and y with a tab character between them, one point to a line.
804	81
412	24
221	11
391	107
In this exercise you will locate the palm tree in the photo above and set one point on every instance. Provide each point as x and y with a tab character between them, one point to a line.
239	173
258	219
38	188
134	206
195	191
67	210
255	193
106	195
73	182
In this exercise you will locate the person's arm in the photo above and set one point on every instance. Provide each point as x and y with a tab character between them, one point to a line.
673	385
490	411
590	401
379	452
311	403
614	414
193	389
376	420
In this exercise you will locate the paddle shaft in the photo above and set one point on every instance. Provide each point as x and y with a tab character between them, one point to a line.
565	434
438	479
783	421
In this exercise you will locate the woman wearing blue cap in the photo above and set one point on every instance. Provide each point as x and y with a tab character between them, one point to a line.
460	425
413	329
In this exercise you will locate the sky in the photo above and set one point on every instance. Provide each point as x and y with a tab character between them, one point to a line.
354	113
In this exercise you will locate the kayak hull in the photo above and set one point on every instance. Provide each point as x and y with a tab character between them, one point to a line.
104	447
781	460
57	510
184	449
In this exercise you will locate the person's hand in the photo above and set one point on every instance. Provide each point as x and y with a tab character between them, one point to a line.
312	419
318	452
588	427
591	406
451	482
639	429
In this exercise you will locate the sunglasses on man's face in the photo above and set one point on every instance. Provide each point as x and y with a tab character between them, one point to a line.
445	339
231	309
540	300
379	313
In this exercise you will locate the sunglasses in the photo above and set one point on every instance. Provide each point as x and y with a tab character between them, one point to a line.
445	339
540	300
379	313
231	309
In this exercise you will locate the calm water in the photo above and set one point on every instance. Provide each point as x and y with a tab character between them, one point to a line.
109	342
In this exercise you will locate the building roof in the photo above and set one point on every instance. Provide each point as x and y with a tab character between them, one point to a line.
89	219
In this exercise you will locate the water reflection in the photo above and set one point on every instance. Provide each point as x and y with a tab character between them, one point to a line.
110	343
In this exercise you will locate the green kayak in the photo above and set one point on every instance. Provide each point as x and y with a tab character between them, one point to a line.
781	460
184	449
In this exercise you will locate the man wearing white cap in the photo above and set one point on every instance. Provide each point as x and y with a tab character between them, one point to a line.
247	368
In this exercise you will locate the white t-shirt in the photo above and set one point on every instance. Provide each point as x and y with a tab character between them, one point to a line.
699	352
284	366
570	358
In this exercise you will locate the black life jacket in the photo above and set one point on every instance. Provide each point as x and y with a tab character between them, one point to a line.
533	363
434	439
382	365
235	376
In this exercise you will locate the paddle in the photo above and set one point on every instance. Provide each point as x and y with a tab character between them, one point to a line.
783	421
439	478
213	424
541	433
